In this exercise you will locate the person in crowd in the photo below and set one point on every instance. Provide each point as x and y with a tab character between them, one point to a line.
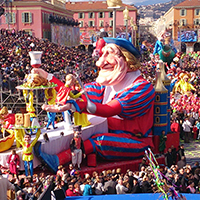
120	188
98	186
181	163
136	187
77	189
70	191
88	188
4	186
174	154
181	151
169	158
187	130
110	186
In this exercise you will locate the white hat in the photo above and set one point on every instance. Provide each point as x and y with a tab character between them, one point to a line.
102	30
35	57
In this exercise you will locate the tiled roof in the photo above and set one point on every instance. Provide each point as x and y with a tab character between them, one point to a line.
188	3
91	5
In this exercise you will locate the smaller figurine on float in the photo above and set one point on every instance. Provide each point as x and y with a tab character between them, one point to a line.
31	81
7	119
77	147
27	146
68	93
24	139
13	163
50	95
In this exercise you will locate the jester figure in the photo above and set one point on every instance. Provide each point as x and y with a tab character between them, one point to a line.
121	95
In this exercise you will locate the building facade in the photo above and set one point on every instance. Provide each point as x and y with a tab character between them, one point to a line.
33	16
183	20
95	15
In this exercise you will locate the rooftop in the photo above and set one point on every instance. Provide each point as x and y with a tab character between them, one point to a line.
91	5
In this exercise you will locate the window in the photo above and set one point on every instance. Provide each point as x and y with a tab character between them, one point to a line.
157	98
196	21
101	23
157	110
81	15
183	22
91	23
111	23
90	15
110	14
183	12
157	120
101	14
10	17
197	11
45	18
26	17
81	24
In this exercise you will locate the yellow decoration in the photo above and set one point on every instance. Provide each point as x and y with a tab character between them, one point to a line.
50	95
29	105
7	142
81	119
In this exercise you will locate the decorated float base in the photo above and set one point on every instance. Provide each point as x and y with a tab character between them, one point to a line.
152	196
58	143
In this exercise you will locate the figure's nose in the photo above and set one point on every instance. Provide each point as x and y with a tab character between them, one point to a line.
101	61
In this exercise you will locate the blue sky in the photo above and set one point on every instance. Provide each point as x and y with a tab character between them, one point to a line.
145	2
136	2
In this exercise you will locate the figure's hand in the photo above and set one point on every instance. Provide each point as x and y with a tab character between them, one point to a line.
40	71
17	166
84	155
73	154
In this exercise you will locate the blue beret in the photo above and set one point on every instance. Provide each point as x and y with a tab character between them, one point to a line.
123	43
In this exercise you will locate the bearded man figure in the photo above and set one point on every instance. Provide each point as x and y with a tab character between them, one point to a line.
121	95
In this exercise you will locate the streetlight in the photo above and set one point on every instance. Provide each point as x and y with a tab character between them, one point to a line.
134	28
126	18
114	5
180	26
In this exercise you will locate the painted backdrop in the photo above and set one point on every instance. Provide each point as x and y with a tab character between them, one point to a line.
65	35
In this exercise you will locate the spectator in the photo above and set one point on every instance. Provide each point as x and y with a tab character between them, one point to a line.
169	158
88	188
110	186
181	163
120	188
70	191
136	187
181	151
4	186
187	129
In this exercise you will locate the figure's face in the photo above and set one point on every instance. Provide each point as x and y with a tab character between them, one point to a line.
113	67
27	138
19	119
69	80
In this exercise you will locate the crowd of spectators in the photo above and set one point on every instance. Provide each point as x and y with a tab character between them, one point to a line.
15	61
68	182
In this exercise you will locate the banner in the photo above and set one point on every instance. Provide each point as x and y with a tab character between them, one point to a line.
65	35
187	36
